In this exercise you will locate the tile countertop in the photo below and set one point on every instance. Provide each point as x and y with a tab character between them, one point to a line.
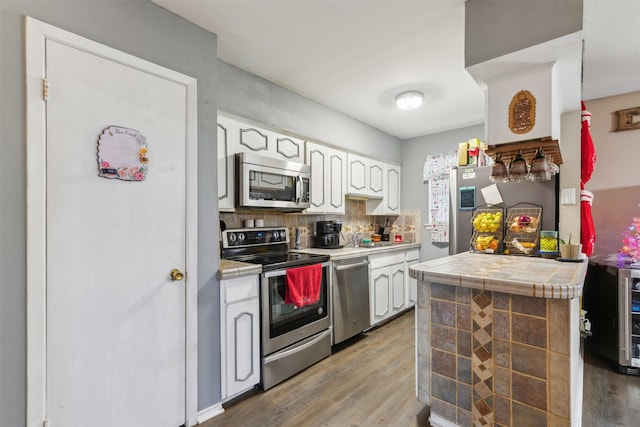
230	269
350	252
520	275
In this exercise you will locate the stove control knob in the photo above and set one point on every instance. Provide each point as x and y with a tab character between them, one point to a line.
275	235
240	237
283	235
232	237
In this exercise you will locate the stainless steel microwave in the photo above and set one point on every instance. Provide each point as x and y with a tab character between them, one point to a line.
264	182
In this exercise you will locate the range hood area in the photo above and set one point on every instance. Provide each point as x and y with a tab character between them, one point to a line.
526	93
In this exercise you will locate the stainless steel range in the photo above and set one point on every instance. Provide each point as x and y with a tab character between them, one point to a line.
293	338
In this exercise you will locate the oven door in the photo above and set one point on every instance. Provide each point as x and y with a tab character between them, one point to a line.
284	324
272	183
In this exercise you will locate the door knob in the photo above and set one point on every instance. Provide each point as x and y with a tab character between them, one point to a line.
176	275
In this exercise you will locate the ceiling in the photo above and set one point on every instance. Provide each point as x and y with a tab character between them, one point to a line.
356	56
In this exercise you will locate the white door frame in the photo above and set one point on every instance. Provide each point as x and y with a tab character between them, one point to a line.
37	33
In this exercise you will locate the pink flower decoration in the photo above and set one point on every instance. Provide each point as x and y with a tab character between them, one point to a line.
133	170
139	176
104	164
122	172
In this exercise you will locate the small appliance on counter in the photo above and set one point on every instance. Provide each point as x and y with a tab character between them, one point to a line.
328	234
385	231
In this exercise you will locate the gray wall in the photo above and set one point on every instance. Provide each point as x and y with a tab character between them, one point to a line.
414	190
143	29
253	97
496	27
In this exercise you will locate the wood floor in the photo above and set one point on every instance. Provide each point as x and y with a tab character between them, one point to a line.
371	383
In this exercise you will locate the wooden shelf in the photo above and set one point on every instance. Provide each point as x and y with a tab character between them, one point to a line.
508	151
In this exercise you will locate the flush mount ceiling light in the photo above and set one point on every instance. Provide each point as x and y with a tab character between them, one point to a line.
409	100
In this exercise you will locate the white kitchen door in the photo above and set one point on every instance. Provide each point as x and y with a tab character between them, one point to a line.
115	322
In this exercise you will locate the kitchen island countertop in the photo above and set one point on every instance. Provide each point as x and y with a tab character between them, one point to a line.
520	275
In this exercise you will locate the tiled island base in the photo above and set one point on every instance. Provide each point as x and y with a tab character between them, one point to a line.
492	358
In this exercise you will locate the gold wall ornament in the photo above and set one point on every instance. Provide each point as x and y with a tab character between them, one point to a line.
522	112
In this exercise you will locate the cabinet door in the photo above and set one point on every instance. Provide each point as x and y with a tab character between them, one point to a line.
317	159
375	178
392	189
286	147
380	291
357	173
336	182
250	139
226	177
398	288
242	370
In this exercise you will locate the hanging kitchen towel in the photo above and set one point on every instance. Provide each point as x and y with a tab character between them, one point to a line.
303	285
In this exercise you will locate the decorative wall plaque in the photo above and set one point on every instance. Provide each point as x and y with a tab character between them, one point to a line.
122	154
522	112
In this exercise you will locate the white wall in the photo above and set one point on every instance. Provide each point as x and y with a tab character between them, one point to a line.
415	191
617	152
615	181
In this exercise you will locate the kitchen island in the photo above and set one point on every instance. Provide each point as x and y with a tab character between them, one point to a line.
498	340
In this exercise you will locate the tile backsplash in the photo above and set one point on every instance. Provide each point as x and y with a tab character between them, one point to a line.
354	221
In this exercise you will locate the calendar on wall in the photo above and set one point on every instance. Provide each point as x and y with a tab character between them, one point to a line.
436	173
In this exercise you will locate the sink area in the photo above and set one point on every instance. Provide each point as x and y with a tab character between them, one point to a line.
378	244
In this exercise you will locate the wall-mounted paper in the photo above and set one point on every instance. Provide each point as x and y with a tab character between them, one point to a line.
491	195
122	154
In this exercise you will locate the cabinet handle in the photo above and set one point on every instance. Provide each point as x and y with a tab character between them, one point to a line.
350	266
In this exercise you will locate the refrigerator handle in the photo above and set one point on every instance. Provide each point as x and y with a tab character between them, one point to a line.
453	211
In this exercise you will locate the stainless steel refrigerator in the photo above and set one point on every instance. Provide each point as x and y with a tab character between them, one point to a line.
465	189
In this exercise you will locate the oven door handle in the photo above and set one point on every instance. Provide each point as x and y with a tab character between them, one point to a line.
286	353
282	272
350	266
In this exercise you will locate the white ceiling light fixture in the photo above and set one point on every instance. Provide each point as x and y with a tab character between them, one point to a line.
409	100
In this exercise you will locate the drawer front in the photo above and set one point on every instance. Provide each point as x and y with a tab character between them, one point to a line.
413	254
383	260
240	288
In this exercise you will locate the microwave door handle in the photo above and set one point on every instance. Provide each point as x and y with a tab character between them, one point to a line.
299	190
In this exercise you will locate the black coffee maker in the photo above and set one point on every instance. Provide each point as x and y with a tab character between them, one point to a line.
328	234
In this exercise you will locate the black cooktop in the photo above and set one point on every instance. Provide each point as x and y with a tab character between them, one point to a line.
265	246
281	260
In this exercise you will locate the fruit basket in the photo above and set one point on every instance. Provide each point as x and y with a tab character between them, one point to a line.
487	229
522	229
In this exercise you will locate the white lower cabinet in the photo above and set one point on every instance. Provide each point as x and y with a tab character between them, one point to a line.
387	287
240	335
412	258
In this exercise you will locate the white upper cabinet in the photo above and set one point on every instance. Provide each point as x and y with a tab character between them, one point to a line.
391	198
390	202
226	177
375	169
365	177
357	175
253	139
328	178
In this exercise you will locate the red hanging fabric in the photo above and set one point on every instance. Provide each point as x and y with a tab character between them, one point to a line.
587	165
587	229
588	157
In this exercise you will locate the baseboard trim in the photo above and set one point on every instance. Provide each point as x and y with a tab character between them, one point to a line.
437	421
210	412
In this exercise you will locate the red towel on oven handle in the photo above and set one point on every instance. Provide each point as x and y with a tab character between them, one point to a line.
303	285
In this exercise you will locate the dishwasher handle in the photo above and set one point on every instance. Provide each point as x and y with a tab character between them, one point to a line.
350	266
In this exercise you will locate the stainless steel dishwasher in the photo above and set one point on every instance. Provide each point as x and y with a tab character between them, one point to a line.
350	298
